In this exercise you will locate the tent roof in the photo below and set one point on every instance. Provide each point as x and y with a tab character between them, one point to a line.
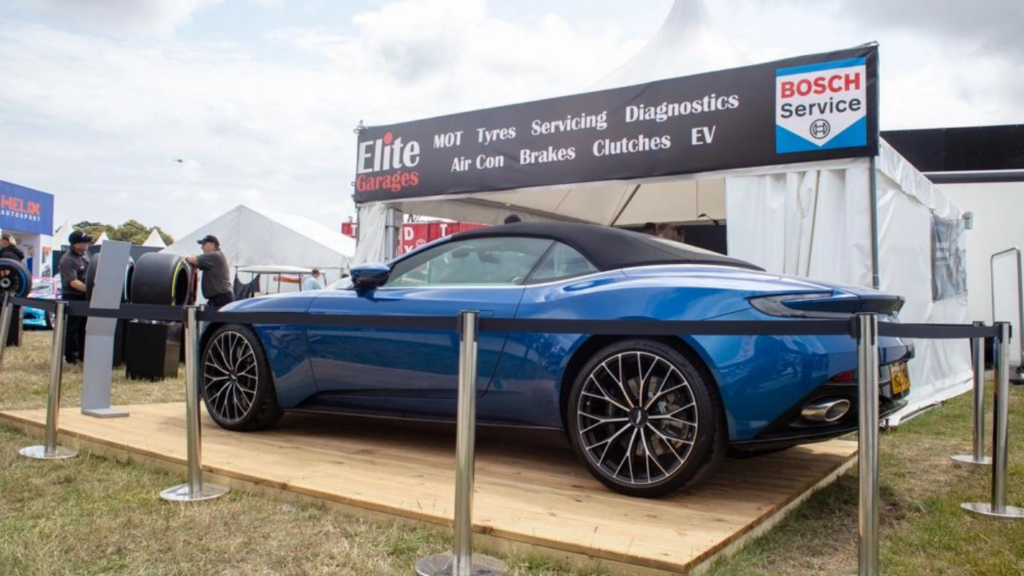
251	237
60	235
154	240
103	238
687	43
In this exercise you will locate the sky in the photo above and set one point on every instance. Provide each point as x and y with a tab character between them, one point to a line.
258	98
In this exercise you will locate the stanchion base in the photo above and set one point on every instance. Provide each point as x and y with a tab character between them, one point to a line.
442	564
183	494
985	509
970	459
40	453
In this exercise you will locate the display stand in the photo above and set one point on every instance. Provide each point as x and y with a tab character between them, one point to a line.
100	332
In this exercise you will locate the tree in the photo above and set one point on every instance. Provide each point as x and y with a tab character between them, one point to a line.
131	231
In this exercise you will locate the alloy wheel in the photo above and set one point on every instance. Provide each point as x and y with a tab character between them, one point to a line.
230	376
637	418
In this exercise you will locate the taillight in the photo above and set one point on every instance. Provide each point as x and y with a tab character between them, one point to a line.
780	305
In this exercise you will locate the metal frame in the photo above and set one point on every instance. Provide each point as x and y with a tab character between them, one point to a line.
978	358
462	561
1020	302
50	450
194	490
997	508
5	324
867	444
876	277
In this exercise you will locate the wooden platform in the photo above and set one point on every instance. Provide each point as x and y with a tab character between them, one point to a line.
531	494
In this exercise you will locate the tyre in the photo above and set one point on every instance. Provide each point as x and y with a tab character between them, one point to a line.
237	386
161	278
14	278
645	420
51	320
90	278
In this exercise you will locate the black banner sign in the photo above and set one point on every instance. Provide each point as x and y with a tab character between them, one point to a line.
802	109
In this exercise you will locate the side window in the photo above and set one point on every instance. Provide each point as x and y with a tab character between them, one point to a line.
495	261
562	261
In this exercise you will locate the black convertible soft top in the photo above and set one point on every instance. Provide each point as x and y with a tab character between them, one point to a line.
610	248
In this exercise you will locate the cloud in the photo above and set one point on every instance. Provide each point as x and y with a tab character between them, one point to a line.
95	118
121	16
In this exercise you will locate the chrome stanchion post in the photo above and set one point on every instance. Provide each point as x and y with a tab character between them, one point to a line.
867	440
5	324
462	562
997	508
978	356
50	450
194	490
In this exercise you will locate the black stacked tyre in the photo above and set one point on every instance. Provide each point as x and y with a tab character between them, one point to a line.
14	278
161	278
90	278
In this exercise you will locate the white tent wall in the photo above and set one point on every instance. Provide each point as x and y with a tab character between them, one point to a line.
817	223
997	207
251	237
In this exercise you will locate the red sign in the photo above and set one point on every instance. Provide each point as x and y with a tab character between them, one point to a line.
417	234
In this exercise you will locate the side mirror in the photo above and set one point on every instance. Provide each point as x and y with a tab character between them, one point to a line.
368	276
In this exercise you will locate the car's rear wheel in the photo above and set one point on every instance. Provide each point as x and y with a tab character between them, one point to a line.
237	385
644	419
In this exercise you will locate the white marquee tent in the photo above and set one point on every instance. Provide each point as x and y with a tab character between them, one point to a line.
251	237
812	219
154	240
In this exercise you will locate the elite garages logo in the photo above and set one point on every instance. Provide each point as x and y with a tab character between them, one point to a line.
821	106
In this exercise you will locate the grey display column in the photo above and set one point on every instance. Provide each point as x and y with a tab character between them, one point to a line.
99	340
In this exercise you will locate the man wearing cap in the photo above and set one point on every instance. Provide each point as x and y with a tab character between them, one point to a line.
72	266
216	272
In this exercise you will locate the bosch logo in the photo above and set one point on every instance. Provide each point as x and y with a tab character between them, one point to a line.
820	128
387	154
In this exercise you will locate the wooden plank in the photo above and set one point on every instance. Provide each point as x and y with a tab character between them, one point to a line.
529	493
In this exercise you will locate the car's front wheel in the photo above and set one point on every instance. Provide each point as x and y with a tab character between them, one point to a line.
644	420
237	385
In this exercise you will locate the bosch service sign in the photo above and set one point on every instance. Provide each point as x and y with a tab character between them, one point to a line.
817	107
821	106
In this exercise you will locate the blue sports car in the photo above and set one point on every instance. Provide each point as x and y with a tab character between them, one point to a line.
46	289
646	416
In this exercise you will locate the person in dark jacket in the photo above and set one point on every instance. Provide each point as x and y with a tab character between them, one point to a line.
216	272
9	248
73	266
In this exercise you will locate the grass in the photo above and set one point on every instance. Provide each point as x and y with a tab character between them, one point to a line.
95	516
24	382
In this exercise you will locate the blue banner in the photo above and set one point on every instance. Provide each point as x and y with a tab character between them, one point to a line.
25	210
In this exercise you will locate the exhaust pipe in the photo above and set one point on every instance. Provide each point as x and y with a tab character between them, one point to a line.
827	411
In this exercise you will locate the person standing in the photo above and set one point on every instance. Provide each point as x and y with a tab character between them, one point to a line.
9	248
313	282
216	272
72	267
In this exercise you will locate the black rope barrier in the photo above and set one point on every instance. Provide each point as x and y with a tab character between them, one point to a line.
937	331
614	327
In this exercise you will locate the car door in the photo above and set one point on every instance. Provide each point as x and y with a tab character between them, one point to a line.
374	368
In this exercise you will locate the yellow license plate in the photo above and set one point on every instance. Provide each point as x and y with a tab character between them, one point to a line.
899	378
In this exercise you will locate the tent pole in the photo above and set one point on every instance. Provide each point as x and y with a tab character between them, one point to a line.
876	281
